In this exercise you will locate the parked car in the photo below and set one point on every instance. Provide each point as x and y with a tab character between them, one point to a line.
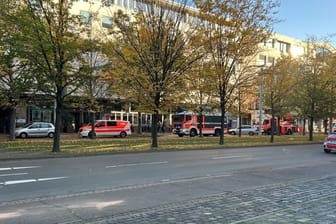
329	143
107	128
245	130
36	129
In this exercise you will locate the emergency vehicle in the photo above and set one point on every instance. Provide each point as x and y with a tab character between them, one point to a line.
286	127
190	124
104	128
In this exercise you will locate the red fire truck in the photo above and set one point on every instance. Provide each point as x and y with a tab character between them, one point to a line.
286	126
190	124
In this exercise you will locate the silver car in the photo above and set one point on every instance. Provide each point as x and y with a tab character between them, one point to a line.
36	129
245	130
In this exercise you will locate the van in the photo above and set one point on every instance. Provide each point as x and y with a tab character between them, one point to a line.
107	128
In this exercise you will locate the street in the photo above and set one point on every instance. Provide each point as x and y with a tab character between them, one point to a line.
282	184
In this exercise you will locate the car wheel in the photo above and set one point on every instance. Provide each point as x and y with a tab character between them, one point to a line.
92	134
123	134
23	135
51	135
251	133
193	133
233	133
217	132
327	150
180	135
289	132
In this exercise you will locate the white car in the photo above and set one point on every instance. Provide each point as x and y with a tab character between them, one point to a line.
36	129
245	130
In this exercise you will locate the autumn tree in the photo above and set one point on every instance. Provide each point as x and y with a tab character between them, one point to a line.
50	36
198	94
279	84
94	63
330	70
233	29
15	79
312	83
156	43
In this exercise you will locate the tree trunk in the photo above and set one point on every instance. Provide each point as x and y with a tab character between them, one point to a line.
155	119
59	110
239	117
239	114
221	136
311	119
200	123
311	128
12	123
272	125
139	123
330	125
92	120
279	127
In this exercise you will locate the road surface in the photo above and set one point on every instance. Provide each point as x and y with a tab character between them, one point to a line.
241	185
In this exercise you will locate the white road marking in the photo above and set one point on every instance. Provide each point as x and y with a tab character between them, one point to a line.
25	167
11	182
18	168
12	174
5	169
137	164
229	157
50	178
165	180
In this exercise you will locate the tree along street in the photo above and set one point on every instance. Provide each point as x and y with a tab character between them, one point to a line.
88	189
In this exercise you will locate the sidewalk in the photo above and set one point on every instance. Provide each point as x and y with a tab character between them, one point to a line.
302	201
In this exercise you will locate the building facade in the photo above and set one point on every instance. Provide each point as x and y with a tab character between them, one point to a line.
98	16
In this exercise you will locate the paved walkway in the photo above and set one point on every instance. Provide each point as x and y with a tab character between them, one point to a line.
312	201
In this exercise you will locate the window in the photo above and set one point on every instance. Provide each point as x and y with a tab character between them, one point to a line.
125	4
108	2
284	47
35	126
100	124
215	119
269	43
270	61
111	123
262	60
142	7
86	17
131	4
106	22
45	126
178	118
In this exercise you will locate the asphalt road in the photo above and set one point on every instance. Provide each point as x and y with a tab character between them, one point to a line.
159	187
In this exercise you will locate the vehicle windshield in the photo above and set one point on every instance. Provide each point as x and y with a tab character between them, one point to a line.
178	118
27	125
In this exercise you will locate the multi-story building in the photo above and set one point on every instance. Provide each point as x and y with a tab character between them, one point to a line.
98	16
